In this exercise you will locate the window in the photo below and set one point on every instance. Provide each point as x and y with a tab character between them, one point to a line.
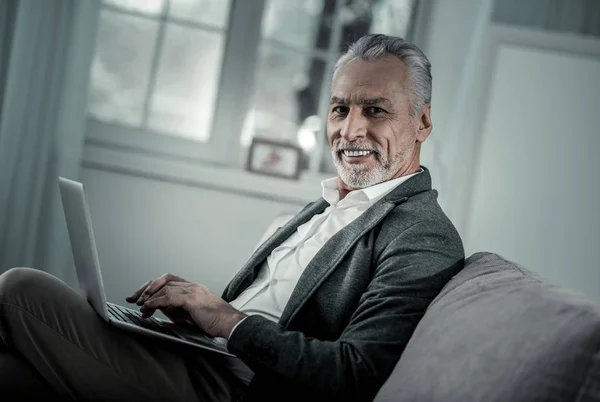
216	73
157	65
300	42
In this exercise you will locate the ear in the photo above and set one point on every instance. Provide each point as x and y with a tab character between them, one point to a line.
424	124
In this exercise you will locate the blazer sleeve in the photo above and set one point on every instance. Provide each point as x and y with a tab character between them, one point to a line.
410	273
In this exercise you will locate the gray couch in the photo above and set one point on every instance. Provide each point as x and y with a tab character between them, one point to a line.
498	332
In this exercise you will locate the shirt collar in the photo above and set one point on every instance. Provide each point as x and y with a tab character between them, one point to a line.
371	194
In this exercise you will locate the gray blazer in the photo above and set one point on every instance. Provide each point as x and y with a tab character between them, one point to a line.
356	304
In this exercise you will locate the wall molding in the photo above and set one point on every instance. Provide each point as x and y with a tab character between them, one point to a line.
185	172
120	160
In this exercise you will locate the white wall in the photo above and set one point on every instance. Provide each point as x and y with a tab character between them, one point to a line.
536	189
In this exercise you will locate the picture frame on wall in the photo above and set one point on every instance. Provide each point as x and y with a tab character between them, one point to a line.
274	158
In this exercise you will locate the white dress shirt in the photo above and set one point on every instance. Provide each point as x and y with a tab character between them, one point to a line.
269	293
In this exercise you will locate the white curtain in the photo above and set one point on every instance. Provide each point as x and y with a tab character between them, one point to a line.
575	16
8	10
46	50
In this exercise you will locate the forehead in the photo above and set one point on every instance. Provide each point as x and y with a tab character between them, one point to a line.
385	77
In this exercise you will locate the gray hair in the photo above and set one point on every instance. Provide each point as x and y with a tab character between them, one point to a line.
375	46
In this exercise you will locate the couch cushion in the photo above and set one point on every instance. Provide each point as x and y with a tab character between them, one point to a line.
498	332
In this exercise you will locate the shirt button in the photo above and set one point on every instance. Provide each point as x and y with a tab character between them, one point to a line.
273	282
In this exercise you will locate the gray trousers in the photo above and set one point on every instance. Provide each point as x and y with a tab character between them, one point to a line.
52	343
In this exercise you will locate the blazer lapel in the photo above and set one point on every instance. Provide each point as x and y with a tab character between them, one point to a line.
249	271
328	258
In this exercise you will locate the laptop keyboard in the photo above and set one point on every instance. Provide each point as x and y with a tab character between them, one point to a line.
135	317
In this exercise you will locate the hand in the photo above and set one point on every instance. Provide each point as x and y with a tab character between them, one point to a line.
182	300
149	288
194	301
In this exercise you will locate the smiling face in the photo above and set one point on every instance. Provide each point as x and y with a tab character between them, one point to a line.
372	135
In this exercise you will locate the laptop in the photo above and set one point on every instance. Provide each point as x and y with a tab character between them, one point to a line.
87	265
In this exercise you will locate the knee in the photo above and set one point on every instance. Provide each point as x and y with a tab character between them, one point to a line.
19	282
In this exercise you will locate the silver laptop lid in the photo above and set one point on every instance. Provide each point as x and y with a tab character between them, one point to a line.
83	245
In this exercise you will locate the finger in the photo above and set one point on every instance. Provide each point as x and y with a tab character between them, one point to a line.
170	287
136	295
160	302
146	311
161	292
154	286
159	283
148	308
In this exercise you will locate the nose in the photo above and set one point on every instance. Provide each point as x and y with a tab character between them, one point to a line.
355	125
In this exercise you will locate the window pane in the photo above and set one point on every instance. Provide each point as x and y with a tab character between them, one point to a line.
121	67
356	17
360	17
392	17
154	7
299	23
212	12
188	74
286	99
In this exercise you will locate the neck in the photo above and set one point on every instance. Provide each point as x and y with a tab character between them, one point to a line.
343	192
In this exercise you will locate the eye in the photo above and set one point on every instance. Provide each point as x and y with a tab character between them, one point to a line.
340	109
374	110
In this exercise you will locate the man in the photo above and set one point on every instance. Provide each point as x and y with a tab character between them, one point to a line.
324	307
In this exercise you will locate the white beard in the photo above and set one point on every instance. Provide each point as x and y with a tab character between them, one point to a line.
359	176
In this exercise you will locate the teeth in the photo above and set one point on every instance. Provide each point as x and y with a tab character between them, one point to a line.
356	153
